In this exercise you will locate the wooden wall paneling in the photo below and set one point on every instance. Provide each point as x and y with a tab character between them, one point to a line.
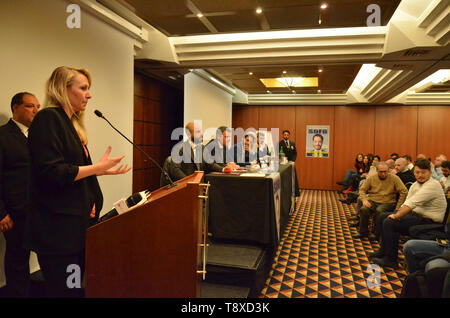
138	132
244	116
158	109
432	131
354	133
138	113
139	85
395	130
313	173
281	117
154	89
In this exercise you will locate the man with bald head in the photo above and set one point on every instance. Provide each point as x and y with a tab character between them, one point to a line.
402	171
378	195
190	155
436	169
391	164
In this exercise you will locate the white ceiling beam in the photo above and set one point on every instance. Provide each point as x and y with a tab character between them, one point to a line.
295	45
297	99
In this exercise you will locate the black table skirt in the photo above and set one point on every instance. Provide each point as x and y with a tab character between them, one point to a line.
242	208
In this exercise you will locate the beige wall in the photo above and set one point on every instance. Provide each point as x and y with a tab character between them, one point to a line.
35	40
205	101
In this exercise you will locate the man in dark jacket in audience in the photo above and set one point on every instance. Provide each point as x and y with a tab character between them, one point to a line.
402	171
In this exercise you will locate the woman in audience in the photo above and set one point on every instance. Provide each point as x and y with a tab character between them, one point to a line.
359	169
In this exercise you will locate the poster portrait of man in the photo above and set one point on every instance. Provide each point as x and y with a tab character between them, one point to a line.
317	141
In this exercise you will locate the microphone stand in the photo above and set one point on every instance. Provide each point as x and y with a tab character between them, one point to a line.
99	114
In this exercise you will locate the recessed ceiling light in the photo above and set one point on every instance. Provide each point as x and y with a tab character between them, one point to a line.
293	92
284	72
268	92
199	15
250	73
319	91
320	70
324	6
258	10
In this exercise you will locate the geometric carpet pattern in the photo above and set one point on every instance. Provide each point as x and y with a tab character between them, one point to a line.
318	258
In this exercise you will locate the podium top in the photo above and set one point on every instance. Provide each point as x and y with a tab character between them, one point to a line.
195	178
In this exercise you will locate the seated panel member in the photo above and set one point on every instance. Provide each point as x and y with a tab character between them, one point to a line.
245	152
190	155
263	149
220	150
425	203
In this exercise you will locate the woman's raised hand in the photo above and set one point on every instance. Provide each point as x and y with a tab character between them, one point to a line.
106	164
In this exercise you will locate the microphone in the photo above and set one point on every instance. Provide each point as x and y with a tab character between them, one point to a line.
99	114
123	205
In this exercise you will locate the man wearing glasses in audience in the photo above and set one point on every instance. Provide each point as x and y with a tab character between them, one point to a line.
378	195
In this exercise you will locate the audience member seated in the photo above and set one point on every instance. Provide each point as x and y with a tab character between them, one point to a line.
352	196
391	165
357	180
416	251
421	156
394	156
445	180
428	265
359	169
424	204
402	171
378	195
409	161
436	169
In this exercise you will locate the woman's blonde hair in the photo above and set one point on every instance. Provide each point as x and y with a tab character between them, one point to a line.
56	95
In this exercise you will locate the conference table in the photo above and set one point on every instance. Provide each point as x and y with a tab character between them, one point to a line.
251	208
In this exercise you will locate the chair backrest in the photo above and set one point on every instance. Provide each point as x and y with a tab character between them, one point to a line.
163	181
446	216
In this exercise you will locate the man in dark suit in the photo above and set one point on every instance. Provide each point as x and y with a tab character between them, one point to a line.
402	171
288	146
219	150
187	157
289	149
246	151
14	191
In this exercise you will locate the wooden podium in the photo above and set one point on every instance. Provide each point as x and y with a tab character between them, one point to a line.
157	249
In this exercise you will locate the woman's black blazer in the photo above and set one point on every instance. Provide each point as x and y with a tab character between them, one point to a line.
60	206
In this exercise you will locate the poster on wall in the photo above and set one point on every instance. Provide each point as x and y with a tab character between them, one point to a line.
317	141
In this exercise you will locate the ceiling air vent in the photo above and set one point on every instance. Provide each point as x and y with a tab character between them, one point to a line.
398	66
416	52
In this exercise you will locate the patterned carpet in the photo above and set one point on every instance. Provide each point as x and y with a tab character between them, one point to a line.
318	258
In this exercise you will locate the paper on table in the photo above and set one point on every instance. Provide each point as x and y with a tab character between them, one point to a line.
253	174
